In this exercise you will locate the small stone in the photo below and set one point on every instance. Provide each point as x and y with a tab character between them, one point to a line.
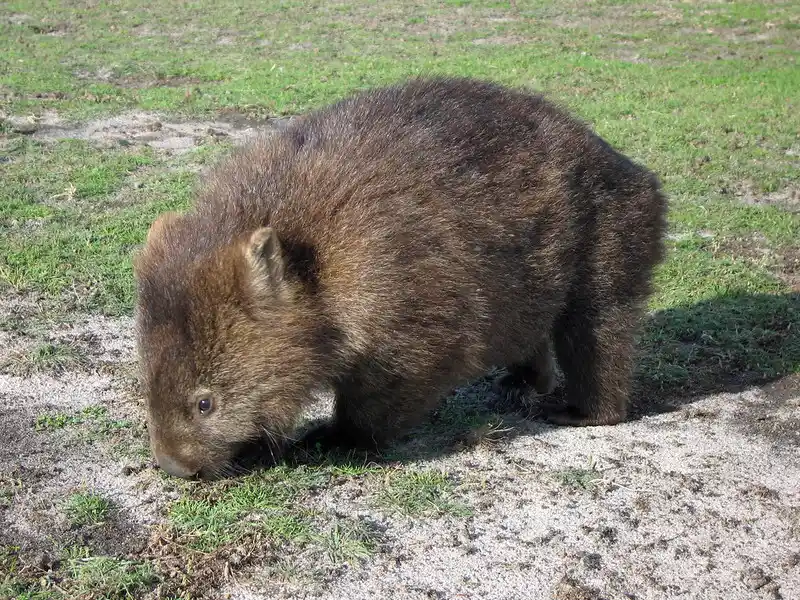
755	578
44	561
772	590
592	561
23	126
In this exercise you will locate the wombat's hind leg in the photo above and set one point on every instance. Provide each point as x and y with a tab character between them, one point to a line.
539	374
595	353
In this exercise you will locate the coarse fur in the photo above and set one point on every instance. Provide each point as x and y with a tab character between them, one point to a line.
392	246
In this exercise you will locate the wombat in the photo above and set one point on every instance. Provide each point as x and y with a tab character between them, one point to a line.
390	247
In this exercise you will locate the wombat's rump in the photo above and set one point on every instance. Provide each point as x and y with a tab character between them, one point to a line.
391	247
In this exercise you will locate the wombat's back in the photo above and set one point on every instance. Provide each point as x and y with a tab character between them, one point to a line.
443	220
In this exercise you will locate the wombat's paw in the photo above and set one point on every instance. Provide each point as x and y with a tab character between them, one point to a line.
322	438
329	437
568	415
508	394
514	390
545	382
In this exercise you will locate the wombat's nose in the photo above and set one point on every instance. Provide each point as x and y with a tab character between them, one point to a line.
173	467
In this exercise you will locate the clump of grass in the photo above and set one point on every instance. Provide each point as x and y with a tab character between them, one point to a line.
95	417
262	503
96	577
578	478
419	493
14	584
348	542
54	421
49	357
86	508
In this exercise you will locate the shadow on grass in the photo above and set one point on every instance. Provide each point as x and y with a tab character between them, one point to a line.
725	344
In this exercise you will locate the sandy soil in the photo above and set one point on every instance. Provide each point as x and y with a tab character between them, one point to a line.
700	502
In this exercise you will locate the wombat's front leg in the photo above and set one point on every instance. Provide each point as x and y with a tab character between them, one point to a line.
538	373
373	409
595	352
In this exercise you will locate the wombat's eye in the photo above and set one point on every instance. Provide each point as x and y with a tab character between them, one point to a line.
205	404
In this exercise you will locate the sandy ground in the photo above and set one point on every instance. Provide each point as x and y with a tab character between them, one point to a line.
700	502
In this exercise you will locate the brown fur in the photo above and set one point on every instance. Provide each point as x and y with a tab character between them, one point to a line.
393	246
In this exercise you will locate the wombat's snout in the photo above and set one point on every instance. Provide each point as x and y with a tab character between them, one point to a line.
173	467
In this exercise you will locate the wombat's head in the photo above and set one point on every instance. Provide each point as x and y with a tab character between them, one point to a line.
226	345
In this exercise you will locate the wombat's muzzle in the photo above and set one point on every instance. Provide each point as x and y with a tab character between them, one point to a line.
173	467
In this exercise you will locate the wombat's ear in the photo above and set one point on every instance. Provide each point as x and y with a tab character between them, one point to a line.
265	257
160	223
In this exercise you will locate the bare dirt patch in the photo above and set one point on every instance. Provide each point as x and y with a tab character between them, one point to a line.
151	129
787	198
138	81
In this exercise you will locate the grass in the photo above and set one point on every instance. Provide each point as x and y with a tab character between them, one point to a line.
108	577
48	357
262	504
415	493
96	419
348	542
80	574
709	127
578	478
87	508
702	92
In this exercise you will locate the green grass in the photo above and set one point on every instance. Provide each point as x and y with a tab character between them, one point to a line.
711	128
261	504
94	421
79	575
578	478
87	508
108	577
48	357
348	542
414	493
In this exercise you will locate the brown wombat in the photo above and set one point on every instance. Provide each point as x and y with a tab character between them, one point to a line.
390	247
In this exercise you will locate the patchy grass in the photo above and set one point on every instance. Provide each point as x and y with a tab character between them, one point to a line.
96	577
348	542
415	493
9	486
86	508
54	421
96	419
78	575
67	243
727	342
578	478
708	127
265	503
49	357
